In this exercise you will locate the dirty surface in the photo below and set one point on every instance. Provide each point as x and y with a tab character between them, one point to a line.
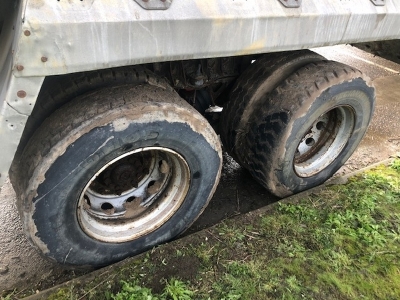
21	266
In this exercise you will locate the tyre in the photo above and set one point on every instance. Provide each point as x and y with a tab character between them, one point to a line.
250	90
308	127
116	172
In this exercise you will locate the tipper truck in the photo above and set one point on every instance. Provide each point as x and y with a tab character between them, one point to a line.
105	131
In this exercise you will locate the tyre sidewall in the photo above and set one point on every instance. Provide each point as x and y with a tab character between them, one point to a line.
335	96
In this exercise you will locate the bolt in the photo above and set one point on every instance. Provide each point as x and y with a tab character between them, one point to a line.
27	33
43	59
20	67
21	94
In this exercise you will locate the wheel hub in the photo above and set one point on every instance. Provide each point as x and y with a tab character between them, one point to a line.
122	175
134	194
324	141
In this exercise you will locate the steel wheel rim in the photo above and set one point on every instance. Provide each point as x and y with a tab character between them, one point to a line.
323	141
133	195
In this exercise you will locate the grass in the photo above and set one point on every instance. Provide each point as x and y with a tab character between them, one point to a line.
341	243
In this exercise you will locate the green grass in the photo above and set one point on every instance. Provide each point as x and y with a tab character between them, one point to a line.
341	243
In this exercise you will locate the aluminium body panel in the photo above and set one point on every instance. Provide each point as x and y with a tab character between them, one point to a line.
17	97
74	36
66	36
17	94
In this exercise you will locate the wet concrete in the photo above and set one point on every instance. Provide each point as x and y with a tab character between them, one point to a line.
22	266
374	66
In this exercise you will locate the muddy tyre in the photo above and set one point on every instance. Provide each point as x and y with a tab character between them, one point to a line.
308	127
116	172
250	90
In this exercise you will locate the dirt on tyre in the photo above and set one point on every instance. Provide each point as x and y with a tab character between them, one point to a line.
308	127
116	172
251	88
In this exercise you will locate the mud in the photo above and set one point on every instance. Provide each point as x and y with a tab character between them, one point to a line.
21	266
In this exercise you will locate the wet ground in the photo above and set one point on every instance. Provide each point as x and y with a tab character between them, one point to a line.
21	265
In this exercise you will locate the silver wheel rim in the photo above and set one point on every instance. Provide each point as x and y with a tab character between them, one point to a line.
324	141
133	195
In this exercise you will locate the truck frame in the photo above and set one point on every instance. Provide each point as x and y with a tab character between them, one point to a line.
103	106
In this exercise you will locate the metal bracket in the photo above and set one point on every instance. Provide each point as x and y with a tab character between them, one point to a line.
292	3
379	2
154	4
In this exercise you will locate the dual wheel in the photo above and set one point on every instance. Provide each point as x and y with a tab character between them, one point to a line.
121	169
298	119
115	172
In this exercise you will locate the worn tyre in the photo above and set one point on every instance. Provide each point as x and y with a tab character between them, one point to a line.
308	127
250	90
115	172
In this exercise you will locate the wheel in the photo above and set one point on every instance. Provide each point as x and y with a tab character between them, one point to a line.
249	91
308	127
116	172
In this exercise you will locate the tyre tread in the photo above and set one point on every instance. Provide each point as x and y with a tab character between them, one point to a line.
242	101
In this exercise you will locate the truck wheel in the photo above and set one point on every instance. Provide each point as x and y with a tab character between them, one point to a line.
115	172
308	127
249	92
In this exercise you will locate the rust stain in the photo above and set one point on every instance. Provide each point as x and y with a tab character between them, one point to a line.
255	47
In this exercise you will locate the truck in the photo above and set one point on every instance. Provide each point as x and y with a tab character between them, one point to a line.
105	131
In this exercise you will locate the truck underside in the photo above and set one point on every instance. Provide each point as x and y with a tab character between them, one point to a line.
103	106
